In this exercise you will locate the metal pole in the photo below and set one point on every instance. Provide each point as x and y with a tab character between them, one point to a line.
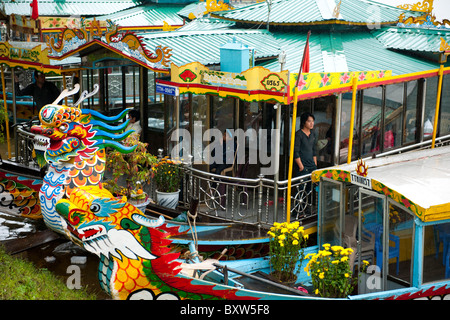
16	145
260	195
276	160
5	104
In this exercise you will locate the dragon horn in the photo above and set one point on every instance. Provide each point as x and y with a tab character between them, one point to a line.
146	222
86	95
65	93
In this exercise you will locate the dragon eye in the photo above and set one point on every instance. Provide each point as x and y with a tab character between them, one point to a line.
63	127
95	207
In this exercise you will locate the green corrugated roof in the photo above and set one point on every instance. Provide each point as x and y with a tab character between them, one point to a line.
146	15
298	12
66	7
345	51
204	46
206	24
413	39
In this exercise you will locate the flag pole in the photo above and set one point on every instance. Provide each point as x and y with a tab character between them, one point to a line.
294	120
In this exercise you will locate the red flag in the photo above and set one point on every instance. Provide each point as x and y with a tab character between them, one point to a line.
34	10
305	63
304	66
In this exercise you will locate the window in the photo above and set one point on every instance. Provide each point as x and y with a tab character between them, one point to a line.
401	226
412	90
324	113
346	110
200	114
435	260
444	119
393	124
430	107
372	120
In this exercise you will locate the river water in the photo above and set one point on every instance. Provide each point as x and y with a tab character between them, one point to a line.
72	264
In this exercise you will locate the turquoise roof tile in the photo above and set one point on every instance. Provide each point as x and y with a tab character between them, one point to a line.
66	7
300	12
355	50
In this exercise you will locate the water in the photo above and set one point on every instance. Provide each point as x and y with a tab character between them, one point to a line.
14	227
61	256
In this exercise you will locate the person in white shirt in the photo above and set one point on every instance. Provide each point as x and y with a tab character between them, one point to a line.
135	123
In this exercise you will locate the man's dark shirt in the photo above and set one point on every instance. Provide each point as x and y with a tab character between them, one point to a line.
305	148
41	97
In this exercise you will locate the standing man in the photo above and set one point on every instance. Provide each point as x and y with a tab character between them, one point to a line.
305	156
44	92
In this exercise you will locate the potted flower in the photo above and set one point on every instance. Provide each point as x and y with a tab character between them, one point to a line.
167	176
287	242
135	168
330	271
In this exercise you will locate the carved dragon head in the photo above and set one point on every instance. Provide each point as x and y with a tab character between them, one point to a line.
68	133
104	225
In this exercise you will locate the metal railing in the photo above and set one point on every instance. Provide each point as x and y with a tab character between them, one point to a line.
248	200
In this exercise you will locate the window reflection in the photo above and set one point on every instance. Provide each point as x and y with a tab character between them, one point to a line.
435	260
371	120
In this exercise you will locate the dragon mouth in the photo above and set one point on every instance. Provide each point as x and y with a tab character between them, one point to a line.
88	233
41	143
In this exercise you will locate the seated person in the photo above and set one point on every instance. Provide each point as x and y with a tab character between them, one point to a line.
134	124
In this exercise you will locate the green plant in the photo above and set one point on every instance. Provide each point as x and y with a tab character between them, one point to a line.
330	271
22	280
167	175
136	166
287	241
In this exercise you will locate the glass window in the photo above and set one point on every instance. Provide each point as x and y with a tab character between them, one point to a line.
393	124
401	226
345	128
435	260
200	114
222	116
412	89
323	125
430	107
445	107
330	227
371	120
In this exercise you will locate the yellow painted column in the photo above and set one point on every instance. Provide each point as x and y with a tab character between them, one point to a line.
438	104
291	157
352	119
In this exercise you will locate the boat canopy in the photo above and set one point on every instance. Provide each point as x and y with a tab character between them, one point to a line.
418	180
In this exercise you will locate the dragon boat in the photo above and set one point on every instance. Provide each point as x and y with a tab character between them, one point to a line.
73	142
393	212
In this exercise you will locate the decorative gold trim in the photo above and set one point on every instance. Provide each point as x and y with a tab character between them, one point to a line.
425	6
445	47
337	10
426	18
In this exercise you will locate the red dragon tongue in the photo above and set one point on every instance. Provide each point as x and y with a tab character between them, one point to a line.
88	233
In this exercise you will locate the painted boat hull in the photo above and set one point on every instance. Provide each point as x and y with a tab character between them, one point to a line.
19	194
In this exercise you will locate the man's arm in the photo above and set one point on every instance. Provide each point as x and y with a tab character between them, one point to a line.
297	146
27	91
299	163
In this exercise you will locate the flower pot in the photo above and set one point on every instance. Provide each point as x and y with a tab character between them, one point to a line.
167	199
